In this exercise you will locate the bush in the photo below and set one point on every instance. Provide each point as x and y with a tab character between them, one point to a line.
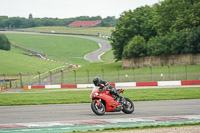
4	42
136	47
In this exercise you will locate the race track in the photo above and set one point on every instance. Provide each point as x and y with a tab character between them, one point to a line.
70	112
93	56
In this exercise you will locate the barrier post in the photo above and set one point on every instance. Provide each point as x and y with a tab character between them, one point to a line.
74	76
21	83
4	80
151	73
50	77
62	77
169	72
39	78
118	75
186	72
133	74
88	75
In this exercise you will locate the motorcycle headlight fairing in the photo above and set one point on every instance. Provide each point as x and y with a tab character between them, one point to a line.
95	94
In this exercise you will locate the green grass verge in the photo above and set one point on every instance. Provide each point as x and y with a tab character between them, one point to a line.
63	97
78	30
137	128
108	57
19	51
13	63
61	48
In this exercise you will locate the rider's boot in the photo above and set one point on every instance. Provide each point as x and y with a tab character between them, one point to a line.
122	99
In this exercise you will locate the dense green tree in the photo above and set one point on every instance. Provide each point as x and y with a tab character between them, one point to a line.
181	42
30	16
189	17
3	20
109	22
169	27
136	47
4	42
130	24
172	15
16	22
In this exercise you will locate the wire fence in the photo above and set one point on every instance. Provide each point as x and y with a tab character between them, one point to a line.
165	73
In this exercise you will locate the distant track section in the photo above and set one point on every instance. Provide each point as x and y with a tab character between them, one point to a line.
94	56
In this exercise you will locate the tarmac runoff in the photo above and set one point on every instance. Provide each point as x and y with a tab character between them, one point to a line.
100	124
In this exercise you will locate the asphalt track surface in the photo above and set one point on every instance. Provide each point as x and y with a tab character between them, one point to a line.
94	56
71	112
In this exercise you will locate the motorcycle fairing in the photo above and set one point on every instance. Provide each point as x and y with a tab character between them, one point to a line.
111	105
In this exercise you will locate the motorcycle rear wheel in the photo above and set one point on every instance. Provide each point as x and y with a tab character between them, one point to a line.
128	108
98	110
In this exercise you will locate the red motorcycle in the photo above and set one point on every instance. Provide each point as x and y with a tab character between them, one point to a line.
103	101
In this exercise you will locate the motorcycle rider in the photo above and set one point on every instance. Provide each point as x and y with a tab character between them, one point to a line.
102	83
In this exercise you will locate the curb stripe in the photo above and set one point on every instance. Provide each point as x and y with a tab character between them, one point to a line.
52	86
38	87
68	86
146	84
147	120
169	83
125	84
85	85
190	82
121	84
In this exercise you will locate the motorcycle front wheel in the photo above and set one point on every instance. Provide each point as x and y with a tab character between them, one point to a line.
128	107
98	110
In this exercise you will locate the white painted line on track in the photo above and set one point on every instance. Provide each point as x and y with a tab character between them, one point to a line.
100	45
99	57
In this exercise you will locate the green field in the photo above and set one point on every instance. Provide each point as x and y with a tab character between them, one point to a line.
60	48
72	50
13	63
63	97
108	57
80	30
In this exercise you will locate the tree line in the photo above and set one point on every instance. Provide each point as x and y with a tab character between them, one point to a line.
19	22
168	27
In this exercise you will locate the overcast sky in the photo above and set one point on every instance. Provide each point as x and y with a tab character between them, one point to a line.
69	8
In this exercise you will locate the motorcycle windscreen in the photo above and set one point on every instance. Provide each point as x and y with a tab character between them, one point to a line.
94	89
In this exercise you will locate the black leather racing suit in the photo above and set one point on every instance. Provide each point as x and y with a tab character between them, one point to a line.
112	90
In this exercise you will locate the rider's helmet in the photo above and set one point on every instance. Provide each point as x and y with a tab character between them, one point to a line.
96	81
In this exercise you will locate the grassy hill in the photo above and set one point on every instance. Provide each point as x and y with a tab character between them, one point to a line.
13	63
79	30
61	48
72	50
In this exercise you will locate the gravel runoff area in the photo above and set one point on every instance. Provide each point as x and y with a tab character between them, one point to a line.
184	129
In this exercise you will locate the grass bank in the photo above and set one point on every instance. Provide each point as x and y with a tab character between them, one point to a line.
61	48
63	97
13	63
